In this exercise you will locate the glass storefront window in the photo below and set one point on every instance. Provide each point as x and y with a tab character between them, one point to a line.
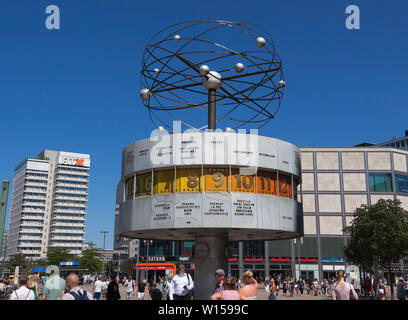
380	182
254	249
187	249
332	248
401	183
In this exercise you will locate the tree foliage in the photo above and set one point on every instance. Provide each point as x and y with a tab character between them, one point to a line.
55	255
378	235
19	260
91	259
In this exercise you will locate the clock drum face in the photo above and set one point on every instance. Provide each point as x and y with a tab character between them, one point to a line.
242	185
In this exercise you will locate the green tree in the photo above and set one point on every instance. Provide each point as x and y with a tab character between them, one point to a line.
19	260
378	236
55	255
91	259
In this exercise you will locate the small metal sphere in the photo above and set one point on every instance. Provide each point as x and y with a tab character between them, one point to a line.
282	84
160	129
212	80
177	38
228	129
204	70
239	67
145	94
260	42
156	71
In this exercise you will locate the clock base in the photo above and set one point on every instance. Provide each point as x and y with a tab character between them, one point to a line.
209	256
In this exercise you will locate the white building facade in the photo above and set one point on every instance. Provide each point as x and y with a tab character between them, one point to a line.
49	204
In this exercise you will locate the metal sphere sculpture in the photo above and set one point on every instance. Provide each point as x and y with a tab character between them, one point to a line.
228	69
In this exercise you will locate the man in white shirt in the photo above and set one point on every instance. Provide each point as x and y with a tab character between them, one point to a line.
97	289
73	291
181	285
130	285
22	293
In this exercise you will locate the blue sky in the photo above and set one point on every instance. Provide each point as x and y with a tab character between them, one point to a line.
77	89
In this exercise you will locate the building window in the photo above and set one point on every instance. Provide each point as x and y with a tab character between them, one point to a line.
332	248
380	182
401	183
253	249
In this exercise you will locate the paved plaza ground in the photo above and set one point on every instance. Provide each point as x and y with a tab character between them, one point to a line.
262	295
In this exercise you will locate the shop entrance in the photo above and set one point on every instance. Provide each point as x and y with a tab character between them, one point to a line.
307	274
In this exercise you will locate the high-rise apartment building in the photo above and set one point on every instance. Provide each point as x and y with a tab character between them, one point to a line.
3	248
49	204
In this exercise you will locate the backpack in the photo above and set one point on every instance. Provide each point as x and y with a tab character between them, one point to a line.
79	295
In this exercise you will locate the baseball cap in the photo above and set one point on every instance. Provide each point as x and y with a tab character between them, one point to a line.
220	272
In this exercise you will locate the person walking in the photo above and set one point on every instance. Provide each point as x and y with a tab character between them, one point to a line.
181	285
406	286
73	291
130	287
22	293
272	290
228	292
141	288
401	289
53	288
343	290
292	287
113	293
301	285
166	289
219	277
250	289
315	287
97	289
32	284
284	287
381	290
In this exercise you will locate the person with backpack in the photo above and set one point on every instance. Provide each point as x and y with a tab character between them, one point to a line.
22	293
181	285
73	292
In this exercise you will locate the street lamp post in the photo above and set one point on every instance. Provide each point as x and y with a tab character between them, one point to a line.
104	241
298	242
147	243
137	260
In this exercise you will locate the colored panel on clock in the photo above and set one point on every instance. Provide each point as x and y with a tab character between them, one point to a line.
163	181
266	182
242	183
216	179
188	180
143	184
285	186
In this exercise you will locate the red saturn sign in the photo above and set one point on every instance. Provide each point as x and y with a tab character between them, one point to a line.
280	259
253	259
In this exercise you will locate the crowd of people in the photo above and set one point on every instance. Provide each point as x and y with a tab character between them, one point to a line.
181	287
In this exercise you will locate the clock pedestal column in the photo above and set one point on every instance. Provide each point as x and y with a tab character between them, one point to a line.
209	255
